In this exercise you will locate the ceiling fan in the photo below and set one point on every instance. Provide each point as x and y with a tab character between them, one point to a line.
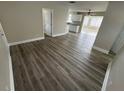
88	13
91	13
72	2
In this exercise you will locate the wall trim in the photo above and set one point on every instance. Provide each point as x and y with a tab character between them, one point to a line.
101	50
25	41
105	82
11	76
59	34
12	87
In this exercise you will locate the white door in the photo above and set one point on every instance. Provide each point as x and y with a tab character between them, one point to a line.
4	63
47	21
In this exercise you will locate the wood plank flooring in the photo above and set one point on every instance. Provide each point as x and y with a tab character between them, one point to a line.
60	63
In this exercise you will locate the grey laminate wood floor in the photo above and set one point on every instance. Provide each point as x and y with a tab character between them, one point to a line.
60	63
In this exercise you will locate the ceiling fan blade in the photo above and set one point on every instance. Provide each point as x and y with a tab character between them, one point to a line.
93	14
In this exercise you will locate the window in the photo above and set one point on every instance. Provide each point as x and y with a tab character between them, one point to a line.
96	21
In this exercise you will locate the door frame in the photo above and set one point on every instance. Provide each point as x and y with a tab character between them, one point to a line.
82	21
11	76
93	16
51	21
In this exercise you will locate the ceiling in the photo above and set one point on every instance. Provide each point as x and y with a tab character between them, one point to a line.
84	6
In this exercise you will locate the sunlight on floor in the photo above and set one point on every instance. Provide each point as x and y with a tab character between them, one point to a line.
90	29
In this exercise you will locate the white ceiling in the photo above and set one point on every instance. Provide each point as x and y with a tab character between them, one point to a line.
85	5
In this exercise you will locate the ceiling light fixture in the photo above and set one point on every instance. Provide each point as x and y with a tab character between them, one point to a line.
72	2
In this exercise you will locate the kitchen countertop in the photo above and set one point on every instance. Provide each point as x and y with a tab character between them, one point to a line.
75	23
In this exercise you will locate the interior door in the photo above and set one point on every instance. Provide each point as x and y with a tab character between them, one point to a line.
47	21
4	62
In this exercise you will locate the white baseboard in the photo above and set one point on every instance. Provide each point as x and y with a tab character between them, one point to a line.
25	41
105	82
101	50
59	34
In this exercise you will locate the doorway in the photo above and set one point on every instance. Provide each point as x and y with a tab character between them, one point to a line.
47	21
90	28
91	24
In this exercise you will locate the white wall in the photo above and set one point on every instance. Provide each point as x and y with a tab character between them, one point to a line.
6	74
116	76
20	20
60	16
23	20
119	42
111	26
